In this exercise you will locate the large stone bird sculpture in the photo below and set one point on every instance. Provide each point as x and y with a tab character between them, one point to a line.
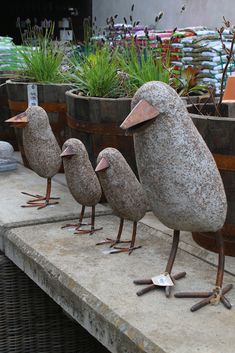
180	177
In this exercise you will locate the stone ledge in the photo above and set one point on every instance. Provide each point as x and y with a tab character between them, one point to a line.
187	243
24	179
97	290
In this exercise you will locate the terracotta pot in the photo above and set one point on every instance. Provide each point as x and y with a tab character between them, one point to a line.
218	133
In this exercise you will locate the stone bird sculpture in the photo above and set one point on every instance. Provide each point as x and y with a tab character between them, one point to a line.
179	175
123	192
41	149
82	181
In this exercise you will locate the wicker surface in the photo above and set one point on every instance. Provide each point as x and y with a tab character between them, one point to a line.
31	322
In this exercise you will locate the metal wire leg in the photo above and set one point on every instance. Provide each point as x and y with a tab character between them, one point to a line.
92	224
217	294
37	198
168	270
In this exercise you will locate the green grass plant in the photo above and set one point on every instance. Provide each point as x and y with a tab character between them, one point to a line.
143	65
43	58
96	74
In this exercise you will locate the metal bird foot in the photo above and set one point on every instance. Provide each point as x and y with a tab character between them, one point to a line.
36	201
165	280
217	294
79	231
87	231
129	250
117	249
163	285
38	204
214	297
112	242
38	197
77	226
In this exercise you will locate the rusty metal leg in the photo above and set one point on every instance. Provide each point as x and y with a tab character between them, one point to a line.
132	246
217	295
36	202
118	239
92	229
171	259
79	224
168	270
119	232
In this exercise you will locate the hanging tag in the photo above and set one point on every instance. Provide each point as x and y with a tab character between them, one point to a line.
32	91
163	280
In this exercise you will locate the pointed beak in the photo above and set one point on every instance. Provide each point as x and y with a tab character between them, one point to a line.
19	121
142	112
68	152
102	165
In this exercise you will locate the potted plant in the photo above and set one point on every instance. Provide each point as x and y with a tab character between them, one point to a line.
188	87
42	80
217	127
142	65
99	104
106	80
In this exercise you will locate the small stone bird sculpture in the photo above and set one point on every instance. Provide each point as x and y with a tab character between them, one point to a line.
82	181
123	192
179	175
41	149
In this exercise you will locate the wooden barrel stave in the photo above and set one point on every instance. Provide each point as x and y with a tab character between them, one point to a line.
7	133
218	133
96	122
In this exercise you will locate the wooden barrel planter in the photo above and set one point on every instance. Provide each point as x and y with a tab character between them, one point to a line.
95	121
218	133
7	133
51	97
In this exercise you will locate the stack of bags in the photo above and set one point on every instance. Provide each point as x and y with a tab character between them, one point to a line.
204	51
10	59
199	47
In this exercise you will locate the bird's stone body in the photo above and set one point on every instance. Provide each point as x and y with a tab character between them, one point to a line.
41	147
123	191
81	178
176	168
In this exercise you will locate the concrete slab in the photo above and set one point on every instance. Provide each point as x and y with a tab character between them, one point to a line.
97	289
23	179
187	243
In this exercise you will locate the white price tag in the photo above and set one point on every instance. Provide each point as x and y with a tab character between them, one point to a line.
163	280
110	251
32	91
71	229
